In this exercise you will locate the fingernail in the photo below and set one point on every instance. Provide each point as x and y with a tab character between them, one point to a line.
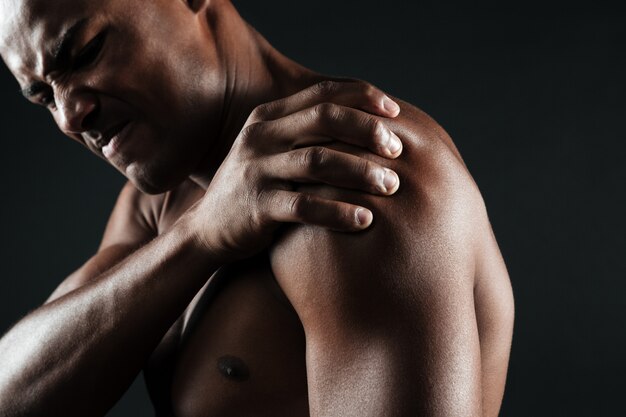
394	145
391	106
390	181
364	217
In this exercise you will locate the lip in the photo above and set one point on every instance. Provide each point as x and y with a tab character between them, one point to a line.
117	135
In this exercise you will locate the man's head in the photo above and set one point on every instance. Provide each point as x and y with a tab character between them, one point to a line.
150	68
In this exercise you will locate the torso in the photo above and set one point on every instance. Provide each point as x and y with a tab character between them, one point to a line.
239	348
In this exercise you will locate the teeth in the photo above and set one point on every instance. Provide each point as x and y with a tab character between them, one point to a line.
110	143
107	151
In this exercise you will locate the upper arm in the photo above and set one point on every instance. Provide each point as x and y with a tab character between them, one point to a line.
388	313
130	226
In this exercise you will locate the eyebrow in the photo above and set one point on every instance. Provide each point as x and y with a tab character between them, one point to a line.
64	43
59	53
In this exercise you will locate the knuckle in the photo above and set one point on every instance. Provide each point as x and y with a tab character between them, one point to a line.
298	205
260	112
369	171
246	133
263	201
377	130
314	158
249	173
327	111
250	132
326	88
368	89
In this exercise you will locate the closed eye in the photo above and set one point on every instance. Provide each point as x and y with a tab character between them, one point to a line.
90	52
44	96
47	101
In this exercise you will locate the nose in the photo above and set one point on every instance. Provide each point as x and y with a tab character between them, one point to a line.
76	112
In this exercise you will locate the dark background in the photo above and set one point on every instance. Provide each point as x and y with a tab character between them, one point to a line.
534	100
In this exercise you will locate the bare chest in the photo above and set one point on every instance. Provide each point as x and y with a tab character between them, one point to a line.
238	349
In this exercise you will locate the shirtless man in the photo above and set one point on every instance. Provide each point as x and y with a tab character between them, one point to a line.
260	261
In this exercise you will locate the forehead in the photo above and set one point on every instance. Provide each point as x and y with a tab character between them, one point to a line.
29	28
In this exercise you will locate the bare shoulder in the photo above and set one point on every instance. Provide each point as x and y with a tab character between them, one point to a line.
133	218
139	216
433	174
437	202
396	301
422	291
437	218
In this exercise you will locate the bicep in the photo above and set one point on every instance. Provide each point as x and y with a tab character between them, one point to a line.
128	228
388	315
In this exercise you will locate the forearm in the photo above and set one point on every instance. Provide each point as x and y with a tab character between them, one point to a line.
83	349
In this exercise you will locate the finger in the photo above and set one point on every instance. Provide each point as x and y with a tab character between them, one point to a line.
293	207
323	165
351	93
324	123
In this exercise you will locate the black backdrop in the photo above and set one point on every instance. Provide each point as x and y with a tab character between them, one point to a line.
533	98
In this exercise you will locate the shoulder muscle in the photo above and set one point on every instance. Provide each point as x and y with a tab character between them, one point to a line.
394	302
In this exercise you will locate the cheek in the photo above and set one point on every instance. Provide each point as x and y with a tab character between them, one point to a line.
148	80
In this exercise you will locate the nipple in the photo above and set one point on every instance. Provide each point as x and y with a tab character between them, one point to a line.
233	368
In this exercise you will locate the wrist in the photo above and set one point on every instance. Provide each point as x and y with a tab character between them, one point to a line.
192	233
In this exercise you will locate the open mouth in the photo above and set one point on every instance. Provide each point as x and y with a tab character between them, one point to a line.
114	138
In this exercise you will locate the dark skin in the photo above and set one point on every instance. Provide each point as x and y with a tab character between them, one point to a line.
256	263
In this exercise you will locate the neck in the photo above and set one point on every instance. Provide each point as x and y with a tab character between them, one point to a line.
255	73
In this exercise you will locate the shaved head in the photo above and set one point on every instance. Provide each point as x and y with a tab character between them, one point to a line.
31	31
147	71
